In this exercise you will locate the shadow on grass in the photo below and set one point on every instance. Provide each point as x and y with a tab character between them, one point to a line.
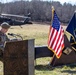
72	65
49	67
44	67
69	71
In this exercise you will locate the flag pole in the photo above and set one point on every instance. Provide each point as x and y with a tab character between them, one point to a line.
53	9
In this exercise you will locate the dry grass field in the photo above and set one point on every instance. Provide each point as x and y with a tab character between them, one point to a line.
32	31
39	32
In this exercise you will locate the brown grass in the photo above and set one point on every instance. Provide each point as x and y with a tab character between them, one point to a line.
33	31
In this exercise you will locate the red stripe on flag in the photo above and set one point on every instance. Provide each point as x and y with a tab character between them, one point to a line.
56	41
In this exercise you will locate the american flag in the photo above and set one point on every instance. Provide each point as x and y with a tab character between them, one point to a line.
56	36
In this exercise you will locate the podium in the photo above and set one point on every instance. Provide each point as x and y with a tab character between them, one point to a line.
18	58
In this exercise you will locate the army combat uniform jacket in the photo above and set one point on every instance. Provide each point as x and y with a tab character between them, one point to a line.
3	38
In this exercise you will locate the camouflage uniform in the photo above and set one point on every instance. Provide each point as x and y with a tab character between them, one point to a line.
3	38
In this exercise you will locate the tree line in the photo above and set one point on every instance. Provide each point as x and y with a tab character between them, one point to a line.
39	10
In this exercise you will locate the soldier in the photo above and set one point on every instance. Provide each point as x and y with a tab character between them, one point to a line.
3	37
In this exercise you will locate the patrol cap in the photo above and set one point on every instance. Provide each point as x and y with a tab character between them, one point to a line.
5	25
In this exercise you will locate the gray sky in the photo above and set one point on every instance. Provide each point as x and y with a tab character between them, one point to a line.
67	1
61	1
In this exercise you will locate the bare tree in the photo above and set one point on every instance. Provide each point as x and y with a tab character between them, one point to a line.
40	10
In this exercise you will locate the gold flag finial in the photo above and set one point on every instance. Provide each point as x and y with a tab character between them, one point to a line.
52	7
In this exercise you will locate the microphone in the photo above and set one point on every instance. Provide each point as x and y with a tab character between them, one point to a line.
11	34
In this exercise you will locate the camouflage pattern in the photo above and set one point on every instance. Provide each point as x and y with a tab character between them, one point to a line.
3	38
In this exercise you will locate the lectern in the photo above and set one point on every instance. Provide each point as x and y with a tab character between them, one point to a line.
18	57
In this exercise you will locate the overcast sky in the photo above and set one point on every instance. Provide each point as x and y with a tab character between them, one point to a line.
61	1
67	1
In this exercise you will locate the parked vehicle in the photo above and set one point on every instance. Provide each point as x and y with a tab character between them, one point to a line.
15	19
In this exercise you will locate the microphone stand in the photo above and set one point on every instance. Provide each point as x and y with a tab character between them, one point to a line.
19	36
15	35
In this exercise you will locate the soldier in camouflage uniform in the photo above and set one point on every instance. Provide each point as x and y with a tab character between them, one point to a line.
3	37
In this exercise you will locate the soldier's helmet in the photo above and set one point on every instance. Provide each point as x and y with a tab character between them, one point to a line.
5	25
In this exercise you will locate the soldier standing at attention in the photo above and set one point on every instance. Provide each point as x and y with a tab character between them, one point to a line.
3	37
